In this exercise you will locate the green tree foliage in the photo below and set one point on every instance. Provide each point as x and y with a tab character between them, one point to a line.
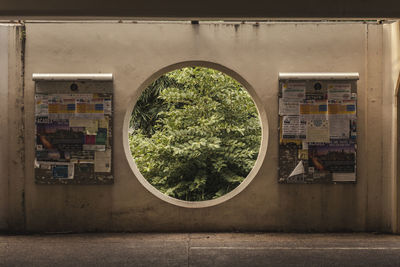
145	113
203	138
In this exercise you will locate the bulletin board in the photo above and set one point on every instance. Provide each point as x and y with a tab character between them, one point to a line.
73	129
317	128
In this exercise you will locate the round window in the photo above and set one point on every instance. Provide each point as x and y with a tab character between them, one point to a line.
195	134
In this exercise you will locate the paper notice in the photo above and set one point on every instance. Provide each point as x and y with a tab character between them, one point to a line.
288	108
302	154
298	170
107	106
353	129
45	165
92	107
293	128
339	127
91	126
344	177
62	170
339	91
94	147
293	92
304	145
42	105
318	131
92	129
315	110
346	108
102	161
333	157
81	122
103	123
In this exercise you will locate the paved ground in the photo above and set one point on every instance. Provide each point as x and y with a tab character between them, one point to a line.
226	249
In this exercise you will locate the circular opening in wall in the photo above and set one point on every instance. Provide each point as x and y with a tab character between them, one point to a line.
195	134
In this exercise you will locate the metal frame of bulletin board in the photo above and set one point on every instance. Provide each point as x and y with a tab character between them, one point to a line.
73	128
317	128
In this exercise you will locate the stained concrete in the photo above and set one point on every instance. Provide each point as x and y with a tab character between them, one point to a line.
255	54
208	249
391	83
3	125
136	53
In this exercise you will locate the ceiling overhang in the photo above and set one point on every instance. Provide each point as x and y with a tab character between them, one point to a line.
200	9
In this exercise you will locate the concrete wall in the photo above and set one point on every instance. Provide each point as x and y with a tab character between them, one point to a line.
12	154
391	39
14	130
134	52
3	125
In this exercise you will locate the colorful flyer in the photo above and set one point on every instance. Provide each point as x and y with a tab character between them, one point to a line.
314	110
334	158
339	91
73	138
294	92
347	109
318	130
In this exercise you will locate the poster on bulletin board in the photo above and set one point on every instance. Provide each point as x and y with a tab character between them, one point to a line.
73	129
317	128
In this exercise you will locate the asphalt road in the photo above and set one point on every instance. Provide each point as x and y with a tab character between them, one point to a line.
214	249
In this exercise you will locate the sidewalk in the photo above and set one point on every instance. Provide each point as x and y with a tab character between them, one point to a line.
200	249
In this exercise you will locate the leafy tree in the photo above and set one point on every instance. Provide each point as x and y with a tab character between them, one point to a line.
205	138
145	113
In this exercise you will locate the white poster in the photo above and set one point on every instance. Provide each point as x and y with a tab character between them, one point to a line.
102	161
288	108
339	127
298	170
318	131
339	91
293	128
294	92
344	177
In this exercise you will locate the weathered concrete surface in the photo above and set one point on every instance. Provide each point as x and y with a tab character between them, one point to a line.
3	126
136	53
391	83
12	153
16	216
201	250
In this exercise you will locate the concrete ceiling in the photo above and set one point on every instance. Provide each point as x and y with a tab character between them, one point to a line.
199	9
